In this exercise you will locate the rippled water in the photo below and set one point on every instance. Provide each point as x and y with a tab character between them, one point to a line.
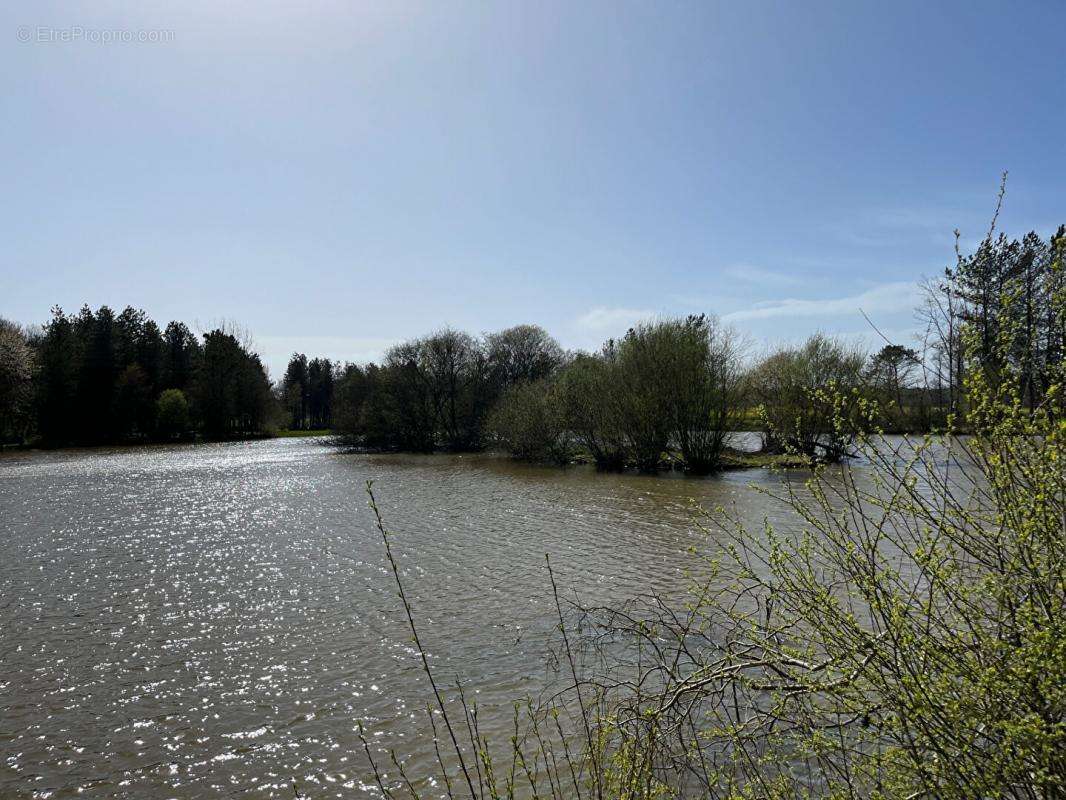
215	620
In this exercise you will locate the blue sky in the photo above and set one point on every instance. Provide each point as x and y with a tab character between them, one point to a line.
336	176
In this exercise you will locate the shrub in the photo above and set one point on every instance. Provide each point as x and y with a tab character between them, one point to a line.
16	388
172	414
802	391
698	377
528	422
906	638
641	364
589	395
901	634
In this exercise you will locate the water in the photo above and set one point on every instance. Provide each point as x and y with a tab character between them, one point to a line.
216	620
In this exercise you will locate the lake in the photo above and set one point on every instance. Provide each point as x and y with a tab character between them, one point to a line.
217	619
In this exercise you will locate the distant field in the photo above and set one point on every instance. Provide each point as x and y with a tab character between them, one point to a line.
300	434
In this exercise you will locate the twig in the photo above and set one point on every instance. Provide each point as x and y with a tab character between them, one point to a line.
577	682
414	633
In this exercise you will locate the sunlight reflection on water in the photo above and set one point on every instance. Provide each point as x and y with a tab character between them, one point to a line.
214	620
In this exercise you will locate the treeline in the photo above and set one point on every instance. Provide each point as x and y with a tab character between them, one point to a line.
436	392
668	392
97	377
668	384
909	644
1007	296
306	393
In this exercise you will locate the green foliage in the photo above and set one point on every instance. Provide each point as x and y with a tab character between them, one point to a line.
901	633
907	640
1008	290
437	391
528	422
307	393
802	392
685	375
639	365
455	371
589	392
522	354
891	376
351	390
16	387
400	411
134	404
172	414
673	383
1005	285
232	393
100	377
181	356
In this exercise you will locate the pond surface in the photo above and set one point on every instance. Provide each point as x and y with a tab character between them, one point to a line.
216	620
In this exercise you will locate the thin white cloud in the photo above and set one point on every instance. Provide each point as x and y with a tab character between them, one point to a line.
895	226
610	320
760	276
886	298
